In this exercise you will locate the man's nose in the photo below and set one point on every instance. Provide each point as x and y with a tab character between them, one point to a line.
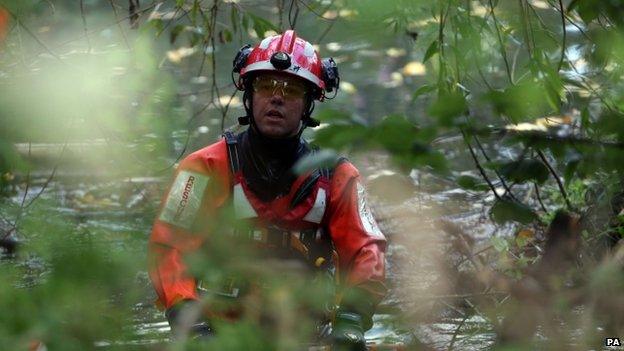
278	95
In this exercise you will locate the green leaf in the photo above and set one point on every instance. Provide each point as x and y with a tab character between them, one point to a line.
245	22
339	136
500	244
471	183
431	50
573	4
572	164
314	160
423	89
588	10
333	115
234	18
395	133
226	36
260	25
521	102
525	170
175	32
585	117
447	107
505	210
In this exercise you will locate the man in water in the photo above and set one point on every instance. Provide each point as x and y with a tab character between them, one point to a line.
320	217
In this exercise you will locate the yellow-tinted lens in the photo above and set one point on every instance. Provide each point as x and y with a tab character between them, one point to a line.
293	90
264	85
270	86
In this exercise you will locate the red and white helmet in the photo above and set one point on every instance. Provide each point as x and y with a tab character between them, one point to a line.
289	54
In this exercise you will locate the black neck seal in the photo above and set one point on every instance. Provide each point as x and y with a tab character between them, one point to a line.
267	163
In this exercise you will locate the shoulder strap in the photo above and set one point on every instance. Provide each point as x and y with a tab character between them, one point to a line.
307	186
232	144
327	172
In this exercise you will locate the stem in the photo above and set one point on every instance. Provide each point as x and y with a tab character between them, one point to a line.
292	19
478	165
563	39
500	42
507	189
19	21
443	16
539	198
123	33
554	173
459	326
329	27
525	26
84	24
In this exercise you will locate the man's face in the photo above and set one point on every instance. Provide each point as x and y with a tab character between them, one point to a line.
278	103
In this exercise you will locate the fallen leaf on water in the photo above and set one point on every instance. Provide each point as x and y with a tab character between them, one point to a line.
414	68
526	127
225	100
347	87
176	56
331	14
333	46
540	4
394	52
346	13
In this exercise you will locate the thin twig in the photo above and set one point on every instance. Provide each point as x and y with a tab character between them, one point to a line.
19	21
459	326
563	39
316	13
173	18
84	25
123	33
27	177
292	19
478	165
500	42
442	66
140	12
500	177
326	31
554	174
225	110
49	2
539	198
280	15
188	138
476	254
525	26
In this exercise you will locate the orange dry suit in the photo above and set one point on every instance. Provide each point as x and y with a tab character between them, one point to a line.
322	203
4	23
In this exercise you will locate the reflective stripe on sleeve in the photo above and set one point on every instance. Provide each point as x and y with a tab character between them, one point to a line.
184	199
366	216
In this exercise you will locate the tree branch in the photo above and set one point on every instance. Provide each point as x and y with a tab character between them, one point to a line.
502	45
554	173
478	165
563	40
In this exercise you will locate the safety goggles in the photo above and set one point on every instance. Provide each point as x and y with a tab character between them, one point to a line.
268	86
